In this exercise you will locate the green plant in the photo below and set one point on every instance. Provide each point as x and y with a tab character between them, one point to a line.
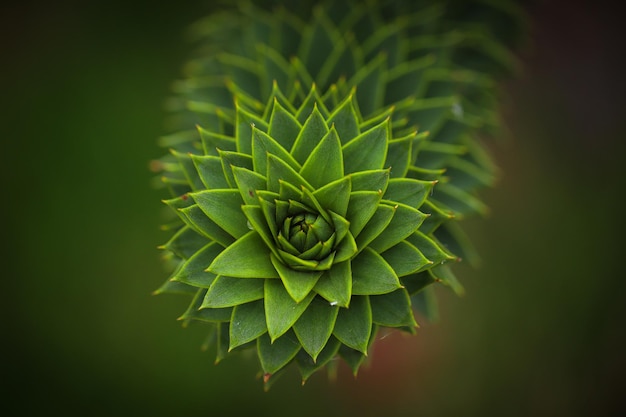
337	147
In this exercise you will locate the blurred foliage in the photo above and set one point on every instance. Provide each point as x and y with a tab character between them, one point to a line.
540	331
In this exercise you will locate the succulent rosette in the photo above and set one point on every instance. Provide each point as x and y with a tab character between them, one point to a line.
318	196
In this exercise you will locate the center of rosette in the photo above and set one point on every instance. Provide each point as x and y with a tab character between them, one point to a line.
305	232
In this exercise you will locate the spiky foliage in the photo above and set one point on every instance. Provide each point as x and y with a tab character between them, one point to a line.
336	148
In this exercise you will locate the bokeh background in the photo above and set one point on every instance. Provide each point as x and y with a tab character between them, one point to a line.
540	331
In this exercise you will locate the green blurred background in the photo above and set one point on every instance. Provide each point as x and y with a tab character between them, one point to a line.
539	333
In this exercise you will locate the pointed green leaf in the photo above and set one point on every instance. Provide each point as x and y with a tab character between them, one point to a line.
173	287
399	155
247	323
333	97
374	180
362	206
436	216
297	283
244	123
424	174
408	191
206	315
325	163
352	357
404	223
310	102
175	182
367	151
467	174
443	274
354	324
229	292
341	225
263	145
308	366
221	341
346	121
415	283
212	141
288	192
233	159
335	196
277	95
393	309
188	169
315	326
278	170
257	221
459	200
195	217
346	249
379	117
405	258
335	285
281	311
270	213
312	132
193	272
210	171
300	264
179	202
212	315
454	240
248	183
308	199
195	304
374	227
248	257
275	354
432	250
224	208
283	126
185	242
372	275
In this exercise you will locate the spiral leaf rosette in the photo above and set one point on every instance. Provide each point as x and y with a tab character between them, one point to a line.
317	199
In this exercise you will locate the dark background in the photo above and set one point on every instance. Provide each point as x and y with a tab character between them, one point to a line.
540	331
